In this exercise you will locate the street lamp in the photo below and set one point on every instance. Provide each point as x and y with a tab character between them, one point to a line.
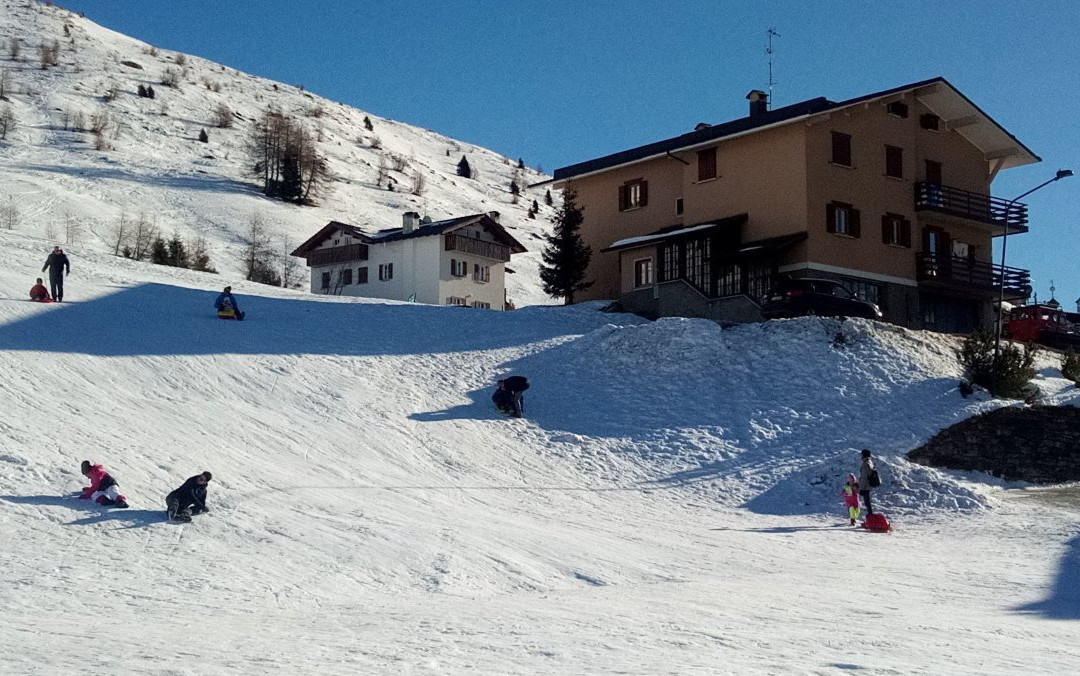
1061	173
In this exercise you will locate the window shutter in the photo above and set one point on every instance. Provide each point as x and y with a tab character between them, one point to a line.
886	229
855	230
453	268
622	198
389	270
644	193
830	218
905	233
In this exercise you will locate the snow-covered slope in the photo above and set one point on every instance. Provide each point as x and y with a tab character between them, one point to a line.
65	190
670	504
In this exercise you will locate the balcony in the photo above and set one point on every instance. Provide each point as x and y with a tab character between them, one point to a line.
478	247
972	206
973	277
337	254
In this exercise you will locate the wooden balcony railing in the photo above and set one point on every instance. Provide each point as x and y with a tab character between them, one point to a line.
973	275
478	247
338	254
971	205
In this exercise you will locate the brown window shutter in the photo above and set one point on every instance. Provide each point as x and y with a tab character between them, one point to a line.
830	218
644	193
886	229
453	267
905	233
855	229
622	198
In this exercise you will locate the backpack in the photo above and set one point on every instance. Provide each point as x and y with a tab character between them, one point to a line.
874	479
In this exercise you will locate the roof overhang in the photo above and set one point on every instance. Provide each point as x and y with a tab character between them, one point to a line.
674	232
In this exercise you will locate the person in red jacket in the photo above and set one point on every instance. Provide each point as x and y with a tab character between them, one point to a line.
39	293
103	489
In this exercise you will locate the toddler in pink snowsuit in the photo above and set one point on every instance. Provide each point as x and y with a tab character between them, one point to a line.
851	498
103	489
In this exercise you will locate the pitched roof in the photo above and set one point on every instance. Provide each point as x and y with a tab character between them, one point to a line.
422	230
937	94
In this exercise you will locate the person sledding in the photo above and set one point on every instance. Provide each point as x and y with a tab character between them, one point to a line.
226	305
850	492
189	499
38	292
508	395
869	479
103	489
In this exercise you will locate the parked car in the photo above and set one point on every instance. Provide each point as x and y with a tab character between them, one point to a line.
808	296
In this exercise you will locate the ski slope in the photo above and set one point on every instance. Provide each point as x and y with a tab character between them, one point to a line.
669	505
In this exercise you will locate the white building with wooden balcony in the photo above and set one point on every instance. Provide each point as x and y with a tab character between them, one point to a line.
458	261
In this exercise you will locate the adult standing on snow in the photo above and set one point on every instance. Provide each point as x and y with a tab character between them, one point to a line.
189	499
57	264
865	469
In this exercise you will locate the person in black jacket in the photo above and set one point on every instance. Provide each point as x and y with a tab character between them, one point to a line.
189	499
516	385
57	264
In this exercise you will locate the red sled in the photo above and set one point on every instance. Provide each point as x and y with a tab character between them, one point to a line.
877	523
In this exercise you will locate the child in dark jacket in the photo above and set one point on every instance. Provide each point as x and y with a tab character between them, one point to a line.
103	489
188	499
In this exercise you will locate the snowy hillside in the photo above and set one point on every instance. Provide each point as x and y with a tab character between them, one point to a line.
60	187
670	504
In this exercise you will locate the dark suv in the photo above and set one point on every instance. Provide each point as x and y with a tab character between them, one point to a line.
806	296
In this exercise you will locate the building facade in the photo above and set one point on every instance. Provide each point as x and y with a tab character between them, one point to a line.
889	193
458	261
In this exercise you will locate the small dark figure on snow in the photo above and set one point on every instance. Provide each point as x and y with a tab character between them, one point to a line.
58	266
865	469
189	499
503	398
515	385
103	489
38	292
226	305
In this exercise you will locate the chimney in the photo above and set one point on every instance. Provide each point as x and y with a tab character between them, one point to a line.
494	215
759	102
409	221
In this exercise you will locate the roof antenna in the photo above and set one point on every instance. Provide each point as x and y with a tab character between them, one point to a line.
769	51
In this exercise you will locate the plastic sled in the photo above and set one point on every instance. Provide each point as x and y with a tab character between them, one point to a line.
877	523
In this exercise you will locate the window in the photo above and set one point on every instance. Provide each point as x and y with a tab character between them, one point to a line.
895	230
669	256
345	278
481	305
678	207
458	268
871	292
897	108
361	275
633	195
386	272
894	162
643	275
930	121
706	164
962	250
842	219
481	273
841	149
325	280
729	279
759	278
933	172
698	263
457	300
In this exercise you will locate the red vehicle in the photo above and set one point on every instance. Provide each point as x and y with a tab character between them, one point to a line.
1044	324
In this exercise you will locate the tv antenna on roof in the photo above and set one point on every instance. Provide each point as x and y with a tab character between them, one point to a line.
769	51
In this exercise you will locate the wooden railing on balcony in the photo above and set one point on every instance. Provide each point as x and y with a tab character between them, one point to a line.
971	205
478	247
338	254
973	275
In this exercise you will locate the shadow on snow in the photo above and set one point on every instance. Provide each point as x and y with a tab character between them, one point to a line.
1063	601
135	518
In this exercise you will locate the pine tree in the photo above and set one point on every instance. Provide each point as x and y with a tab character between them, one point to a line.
203	136
521	163
367	124
463	168
566	256
159	252
547	198
177	252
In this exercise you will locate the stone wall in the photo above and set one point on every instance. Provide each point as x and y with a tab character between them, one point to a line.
1039	444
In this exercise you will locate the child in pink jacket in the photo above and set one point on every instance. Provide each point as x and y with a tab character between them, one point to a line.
103	489
851	498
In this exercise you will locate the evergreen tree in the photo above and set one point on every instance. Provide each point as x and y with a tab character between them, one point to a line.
149	91
367	124
521	163
566	256
177	252
515	189
159	252
463	168
547	198
203	136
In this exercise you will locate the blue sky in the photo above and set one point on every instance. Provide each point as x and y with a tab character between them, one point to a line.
559	82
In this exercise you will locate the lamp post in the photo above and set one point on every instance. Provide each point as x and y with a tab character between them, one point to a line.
1061	173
